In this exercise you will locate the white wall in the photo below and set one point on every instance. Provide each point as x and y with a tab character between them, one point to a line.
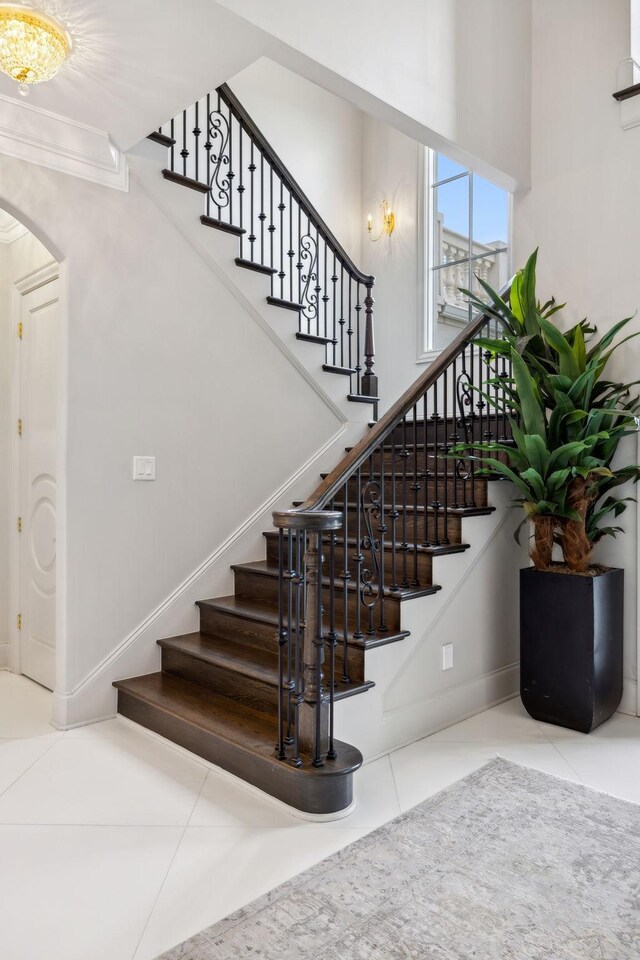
161	360
17	259
317	136
391	171
583	209
453	72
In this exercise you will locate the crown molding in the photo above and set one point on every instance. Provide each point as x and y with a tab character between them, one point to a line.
49	140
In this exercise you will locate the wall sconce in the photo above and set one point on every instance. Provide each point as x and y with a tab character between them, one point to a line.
388	223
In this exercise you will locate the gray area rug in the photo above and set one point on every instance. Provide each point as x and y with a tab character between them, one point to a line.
507	864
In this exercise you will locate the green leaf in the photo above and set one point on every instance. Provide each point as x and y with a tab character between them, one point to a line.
532	412
557	340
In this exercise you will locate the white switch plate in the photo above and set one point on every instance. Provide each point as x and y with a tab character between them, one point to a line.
144	468
447	656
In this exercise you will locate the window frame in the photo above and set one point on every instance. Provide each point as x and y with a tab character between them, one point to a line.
428	319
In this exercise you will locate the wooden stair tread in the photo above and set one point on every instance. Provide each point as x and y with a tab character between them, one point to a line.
257	267
263	611
435	550
264	569
228	719
217	720
410	509
185	181
249	661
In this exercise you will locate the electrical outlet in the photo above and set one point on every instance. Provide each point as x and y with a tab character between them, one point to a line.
144	468
447	656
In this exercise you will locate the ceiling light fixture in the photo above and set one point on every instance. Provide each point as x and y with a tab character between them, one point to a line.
33	45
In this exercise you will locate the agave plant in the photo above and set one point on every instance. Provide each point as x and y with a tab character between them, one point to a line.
566	420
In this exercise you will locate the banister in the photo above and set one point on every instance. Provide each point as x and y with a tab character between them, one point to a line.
381	430
291	184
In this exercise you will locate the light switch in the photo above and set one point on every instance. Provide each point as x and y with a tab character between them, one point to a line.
447	656
144	468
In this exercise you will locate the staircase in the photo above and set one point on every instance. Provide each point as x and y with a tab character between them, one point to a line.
254	690
249	192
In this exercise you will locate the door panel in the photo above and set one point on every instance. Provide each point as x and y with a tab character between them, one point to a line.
38	405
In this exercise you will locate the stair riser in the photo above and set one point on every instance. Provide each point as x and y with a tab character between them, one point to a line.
314	795
253	632
460	492
254	585
261	635
250	691
449	431
247	690
417	528
425	561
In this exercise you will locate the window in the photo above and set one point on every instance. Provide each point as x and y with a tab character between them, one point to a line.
467	237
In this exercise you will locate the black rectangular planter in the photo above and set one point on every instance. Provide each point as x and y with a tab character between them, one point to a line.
571	634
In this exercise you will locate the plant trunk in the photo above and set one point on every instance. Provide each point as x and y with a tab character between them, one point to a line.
543	542
575	543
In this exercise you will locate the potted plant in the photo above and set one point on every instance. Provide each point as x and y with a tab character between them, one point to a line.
567	421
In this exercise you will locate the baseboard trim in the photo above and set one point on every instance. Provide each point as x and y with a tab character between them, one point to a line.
629	702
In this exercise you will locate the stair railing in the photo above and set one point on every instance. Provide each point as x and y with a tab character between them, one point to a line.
215	146
393	500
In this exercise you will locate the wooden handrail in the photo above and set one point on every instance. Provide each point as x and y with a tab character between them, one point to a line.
291	184
335	481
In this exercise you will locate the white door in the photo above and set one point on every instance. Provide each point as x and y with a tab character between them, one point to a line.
38	393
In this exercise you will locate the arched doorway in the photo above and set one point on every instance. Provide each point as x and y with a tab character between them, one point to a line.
29	387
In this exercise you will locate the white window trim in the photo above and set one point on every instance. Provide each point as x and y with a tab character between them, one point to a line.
426	350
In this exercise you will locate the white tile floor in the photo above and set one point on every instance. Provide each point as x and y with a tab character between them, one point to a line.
115	846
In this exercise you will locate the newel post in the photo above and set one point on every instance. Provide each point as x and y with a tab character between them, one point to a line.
369	383
311	696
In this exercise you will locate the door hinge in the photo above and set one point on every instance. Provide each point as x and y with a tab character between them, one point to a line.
19	524
19	426
19	619
20	330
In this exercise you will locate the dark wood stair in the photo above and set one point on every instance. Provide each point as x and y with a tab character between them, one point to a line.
236	737
217	691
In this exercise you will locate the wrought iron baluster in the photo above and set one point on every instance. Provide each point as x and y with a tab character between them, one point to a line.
435	537
283	632
173	145
252	193
291	252
333	639
358	309
445	479
232	166
345	576
184	153
207	154
393	513
325	295
334	281
196	135
272	228
262	215
297	694
415	486
290	616
281	208
241	187
358	559
341	321
403	499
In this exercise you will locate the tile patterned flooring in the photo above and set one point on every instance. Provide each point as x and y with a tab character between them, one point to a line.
116	846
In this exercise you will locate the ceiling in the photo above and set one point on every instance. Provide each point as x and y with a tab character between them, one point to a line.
135	63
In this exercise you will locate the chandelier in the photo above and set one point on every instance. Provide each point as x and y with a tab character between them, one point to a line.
33	45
